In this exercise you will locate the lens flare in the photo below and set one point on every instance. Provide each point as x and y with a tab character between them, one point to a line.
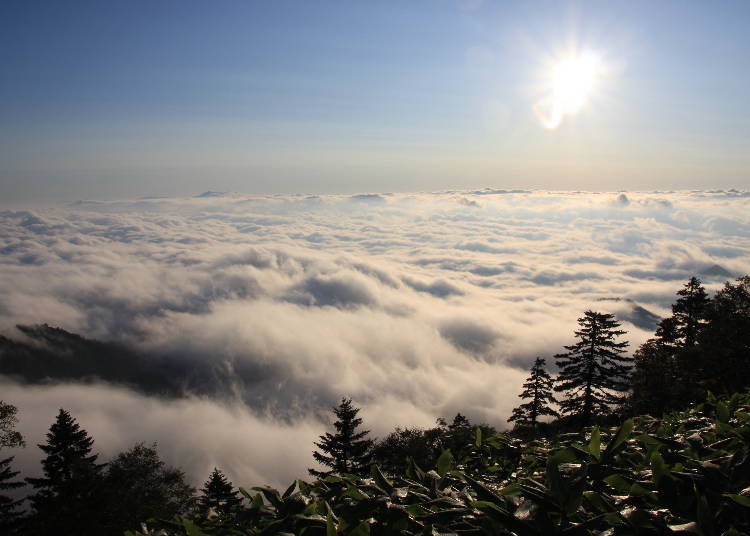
570	85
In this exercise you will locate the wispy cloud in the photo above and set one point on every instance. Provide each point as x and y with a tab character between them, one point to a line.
416	305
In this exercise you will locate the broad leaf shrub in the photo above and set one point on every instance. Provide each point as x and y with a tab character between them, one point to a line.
688	473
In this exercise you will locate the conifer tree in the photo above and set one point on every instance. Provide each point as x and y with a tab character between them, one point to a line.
725	340
65	500
593	371
218	494
346	451
670	370
538	390
10	516
689	311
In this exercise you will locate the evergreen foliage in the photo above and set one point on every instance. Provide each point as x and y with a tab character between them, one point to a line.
704	346
593	371
689	312
725	340
538	390
10	515
138	486
347	451
667	373
67	497
684	474
405	447
218	495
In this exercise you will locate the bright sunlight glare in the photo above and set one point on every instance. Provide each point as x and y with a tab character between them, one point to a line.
570	85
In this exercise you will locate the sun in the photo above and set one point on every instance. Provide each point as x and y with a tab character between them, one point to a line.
569	86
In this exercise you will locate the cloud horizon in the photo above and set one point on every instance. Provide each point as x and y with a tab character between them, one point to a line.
416	305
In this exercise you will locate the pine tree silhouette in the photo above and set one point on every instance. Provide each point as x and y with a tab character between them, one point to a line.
670	369
725	340
218	494
538	390
66	497
593	370
689	311
10	516
346	451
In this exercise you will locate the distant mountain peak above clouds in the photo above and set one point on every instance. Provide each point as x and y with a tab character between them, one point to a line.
716	271
630	311
210	193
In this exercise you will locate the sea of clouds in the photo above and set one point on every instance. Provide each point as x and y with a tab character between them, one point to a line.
415	305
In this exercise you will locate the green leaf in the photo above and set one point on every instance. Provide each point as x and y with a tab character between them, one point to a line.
271	495
478	441
483	492
658	468
330	525
444	462
505	518
622	434
596	499
363	529
191	528
739	499
289	490
618	482
380	479
354	493
705	516
595	443
722	412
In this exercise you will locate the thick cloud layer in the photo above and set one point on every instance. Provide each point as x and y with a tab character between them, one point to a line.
417	306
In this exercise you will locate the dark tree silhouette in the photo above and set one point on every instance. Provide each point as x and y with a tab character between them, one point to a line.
725	341
654	379
593	371
10	515
689	311
9	437
670	369
346	451
218	494
66	500
140	486
538	391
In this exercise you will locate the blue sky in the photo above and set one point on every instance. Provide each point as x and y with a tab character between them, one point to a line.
107	99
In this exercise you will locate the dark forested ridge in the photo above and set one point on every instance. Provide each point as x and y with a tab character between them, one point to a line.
653	443
45	353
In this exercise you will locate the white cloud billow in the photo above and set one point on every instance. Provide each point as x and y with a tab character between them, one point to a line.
417	306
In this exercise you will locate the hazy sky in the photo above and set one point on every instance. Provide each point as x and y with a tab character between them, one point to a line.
105	99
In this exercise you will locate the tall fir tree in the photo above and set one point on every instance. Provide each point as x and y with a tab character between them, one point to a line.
725	341
10	514
689	311
67	497
218	494
669	368
348	450
593	372
538	391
